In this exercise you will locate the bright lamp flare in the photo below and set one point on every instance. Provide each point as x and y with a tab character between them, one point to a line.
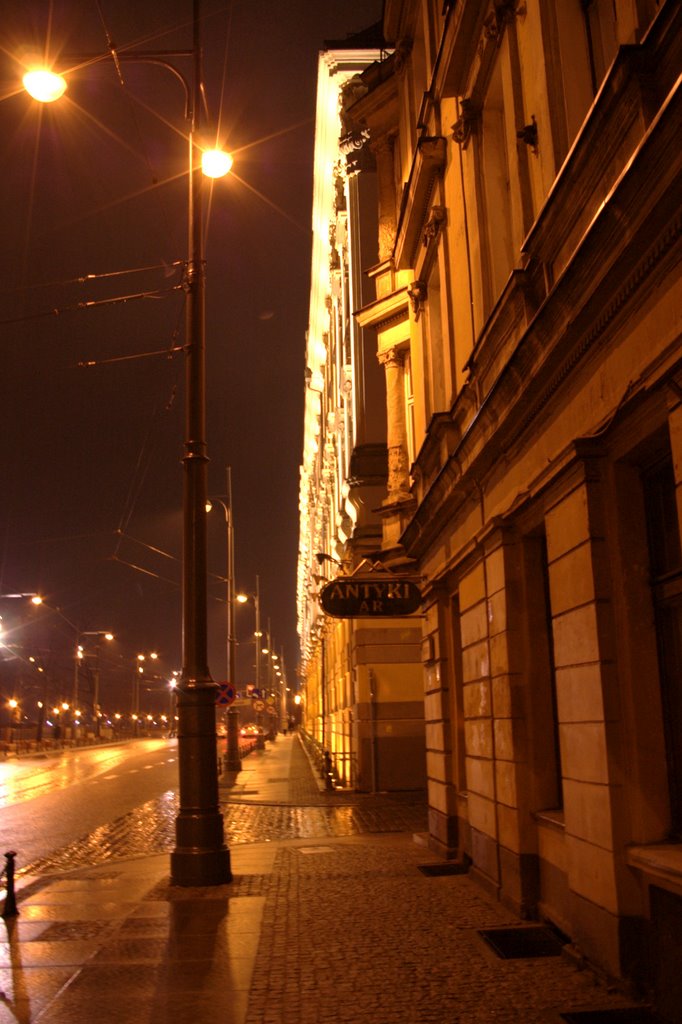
215	163
44	85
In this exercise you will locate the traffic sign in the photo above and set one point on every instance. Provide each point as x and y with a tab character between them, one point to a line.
226	695
259	705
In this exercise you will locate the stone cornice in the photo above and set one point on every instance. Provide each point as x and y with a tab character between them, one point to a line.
632	243
387	310
623	106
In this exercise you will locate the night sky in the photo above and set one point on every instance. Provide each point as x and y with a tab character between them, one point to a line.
90	474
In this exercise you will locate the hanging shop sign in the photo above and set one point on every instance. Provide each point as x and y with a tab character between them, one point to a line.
354	596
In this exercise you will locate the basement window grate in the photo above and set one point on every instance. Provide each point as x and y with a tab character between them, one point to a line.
448	868
626	1015
521	943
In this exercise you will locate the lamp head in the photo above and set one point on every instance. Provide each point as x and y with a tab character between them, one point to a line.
216	163
44	85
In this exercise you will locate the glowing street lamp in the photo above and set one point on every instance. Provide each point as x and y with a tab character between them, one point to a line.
243	598
216	163
44	85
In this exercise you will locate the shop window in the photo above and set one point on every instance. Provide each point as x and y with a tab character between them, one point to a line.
458	764
541	679
665	557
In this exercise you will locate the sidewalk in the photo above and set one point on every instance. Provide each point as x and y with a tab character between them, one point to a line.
319	930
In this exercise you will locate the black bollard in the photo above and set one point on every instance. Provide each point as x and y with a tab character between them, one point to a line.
10	909
328	770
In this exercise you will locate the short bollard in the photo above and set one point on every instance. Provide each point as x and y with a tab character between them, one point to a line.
328	770
10	908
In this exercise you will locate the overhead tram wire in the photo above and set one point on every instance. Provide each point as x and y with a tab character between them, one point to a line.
146	451
122	536
167	352
86	278
158	293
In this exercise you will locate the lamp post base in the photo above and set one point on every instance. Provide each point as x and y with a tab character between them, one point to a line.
203	862
200	856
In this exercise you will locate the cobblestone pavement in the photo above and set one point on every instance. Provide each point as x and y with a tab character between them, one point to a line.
335	925
353	932
150	829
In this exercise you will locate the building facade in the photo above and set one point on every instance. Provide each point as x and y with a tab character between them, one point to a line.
360	678
526	315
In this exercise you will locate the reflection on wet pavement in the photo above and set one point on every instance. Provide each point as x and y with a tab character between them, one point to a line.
151	828
34	777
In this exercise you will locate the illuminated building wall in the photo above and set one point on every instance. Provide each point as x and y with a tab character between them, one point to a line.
360	680
526	313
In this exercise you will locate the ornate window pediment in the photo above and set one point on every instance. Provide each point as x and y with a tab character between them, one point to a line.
428	163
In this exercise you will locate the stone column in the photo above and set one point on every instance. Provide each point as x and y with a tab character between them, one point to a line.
393	361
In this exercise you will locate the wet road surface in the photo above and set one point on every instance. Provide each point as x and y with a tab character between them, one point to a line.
149	828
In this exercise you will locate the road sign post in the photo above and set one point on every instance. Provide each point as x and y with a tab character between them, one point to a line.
225	699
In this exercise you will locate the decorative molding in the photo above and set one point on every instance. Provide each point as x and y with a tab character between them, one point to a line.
462	129
502	14
356	150
529	134
433	225
401	56
394	356
339	189
417	292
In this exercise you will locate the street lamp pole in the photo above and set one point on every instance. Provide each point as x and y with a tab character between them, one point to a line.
200	856
233	760
260	739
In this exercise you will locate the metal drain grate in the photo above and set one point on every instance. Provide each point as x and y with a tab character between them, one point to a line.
523	943
627	1015
449	868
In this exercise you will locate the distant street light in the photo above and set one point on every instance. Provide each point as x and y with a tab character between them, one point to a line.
243	598
99	634
200	856
139	672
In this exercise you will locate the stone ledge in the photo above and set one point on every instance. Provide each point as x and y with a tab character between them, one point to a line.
661	862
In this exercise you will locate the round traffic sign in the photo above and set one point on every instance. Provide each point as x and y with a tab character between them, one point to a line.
226	694
259	705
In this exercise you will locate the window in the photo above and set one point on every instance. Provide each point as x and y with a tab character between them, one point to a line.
409	407
602	38
496	190
665	555
435	401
